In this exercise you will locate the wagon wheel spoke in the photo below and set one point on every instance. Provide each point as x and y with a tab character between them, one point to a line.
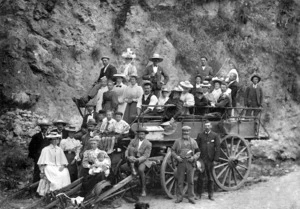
229	176
234	176
226	174
171	186
169	164
231	145
218	166
226	145
237	147
223	159
223	170
168	172
242	166
169	180
240	152
224	152
243	158
238	172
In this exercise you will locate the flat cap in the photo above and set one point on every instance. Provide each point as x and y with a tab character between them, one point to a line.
186	128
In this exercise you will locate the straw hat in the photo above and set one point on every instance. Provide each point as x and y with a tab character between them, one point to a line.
205	84
60	121
134	75
129	54
257	76
71	128
119	75
177	89
53	134
44	122
142	129
186	84
95	138
105	57
156	57
186	128
216	79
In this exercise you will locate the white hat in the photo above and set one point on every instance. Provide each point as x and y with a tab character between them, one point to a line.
205	84
120	75
44	122
177	89
156	57
129	54
53	135
186	84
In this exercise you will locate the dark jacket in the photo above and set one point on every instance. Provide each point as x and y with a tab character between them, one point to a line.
109	73
143	152
234	89
84	121
223	101
156	79
250	100
37	143
208	71
173	111
209	145
200	104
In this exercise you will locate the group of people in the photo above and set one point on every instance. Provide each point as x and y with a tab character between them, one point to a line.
63	155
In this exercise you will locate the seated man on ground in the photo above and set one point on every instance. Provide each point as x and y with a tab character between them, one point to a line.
137	154
174	105
148	98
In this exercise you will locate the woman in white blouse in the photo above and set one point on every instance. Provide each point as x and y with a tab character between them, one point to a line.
119	88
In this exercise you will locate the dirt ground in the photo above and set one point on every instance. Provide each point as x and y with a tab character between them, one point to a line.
277	193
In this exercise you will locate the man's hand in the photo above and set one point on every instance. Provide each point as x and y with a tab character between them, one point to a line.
179	159
61	168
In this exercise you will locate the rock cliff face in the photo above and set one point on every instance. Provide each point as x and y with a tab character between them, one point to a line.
50	51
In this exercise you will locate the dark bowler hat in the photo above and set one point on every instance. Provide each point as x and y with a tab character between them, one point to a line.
257	76
142	129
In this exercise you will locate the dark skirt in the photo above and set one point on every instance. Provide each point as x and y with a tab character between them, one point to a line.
89	181
72	167
130	112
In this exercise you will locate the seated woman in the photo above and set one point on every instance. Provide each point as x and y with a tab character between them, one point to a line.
89	161
163	98
217	89
53	166
174	105
110	98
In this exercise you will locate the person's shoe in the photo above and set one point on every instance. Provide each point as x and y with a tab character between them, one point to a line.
211	197
192	200
197	197
143	194
178	200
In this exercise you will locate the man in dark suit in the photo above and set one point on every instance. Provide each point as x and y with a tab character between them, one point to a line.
223	102
253	96
91	114
107	70
209	145
37	143
137	154
60	128
200	102
233	85
154	74
206	71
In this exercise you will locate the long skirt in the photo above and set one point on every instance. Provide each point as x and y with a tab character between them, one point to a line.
89	181
130	112
122	107
54	180
72	167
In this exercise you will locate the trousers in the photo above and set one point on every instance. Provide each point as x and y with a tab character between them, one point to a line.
182	168
210	181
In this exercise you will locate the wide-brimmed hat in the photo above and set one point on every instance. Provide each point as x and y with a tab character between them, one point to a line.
156	57
105	57
198	75
199	90
129	54
177	89
53	134
142	129
71	128
95	138
164	89
146	82
186	84
205	84
59	121
134	75
91	122
217	80
257	76
44	122
120	75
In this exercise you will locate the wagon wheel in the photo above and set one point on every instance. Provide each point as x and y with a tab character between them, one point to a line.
235	161
167	176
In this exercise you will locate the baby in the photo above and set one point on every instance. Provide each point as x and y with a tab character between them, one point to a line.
100	165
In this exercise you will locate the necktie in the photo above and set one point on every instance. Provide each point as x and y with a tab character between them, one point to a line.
119	86
106	128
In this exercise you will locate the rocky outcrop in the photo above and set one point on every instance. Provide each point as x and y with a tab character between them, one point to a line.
50	50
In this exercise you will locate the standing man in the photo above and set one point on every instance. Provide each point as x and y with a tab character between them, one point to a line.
154	74
137	154
186	152
60	128
107	70
37	143
209	145
206	71
254	96
148	98
233	85
90	114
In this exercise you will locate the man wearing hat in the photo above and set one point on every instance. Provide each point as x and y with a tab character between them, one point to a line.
198	82
128	67
90	114
209	145
163	98
71	148
154	73
107	70
186	97
205	87
223	102
37	143
174	105
200	102
137	154
119	88
253	96
186	153
60	128
148	98
206	71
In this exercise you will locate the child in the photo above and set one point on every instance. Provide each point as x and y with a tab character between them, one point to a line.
100	165
121	126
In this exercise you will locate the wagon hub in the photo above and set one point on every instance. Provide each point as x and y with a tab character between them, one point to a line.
232	162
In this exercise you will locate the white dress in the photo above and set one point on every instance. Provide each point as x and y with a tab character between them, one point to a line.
119	89
51	159
99	98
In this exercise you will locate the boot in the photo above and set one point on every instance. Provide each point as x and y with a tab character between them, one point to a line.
210	190
133	171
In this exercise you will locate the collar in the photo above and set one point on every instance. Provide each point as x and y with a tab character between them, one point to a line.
207	132
231	82
255	85
186	139
52	146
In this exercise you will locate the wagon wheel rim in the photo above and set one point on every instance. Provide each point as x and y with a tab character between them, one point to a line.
167	176
234	163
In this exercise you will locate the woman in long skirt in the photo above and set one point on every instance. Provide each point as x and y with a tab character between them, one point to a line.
110	99
119	88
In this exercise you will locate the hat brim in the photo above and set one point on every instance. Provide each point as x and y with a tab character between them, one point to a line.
94	124
105	57
119	76
159	59
70	130
190	86
216	81
259	78
44	124
60	122
145	131
53	136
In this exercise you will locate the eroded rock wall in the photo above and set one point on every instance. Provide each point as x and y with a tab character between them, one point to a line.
50	51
